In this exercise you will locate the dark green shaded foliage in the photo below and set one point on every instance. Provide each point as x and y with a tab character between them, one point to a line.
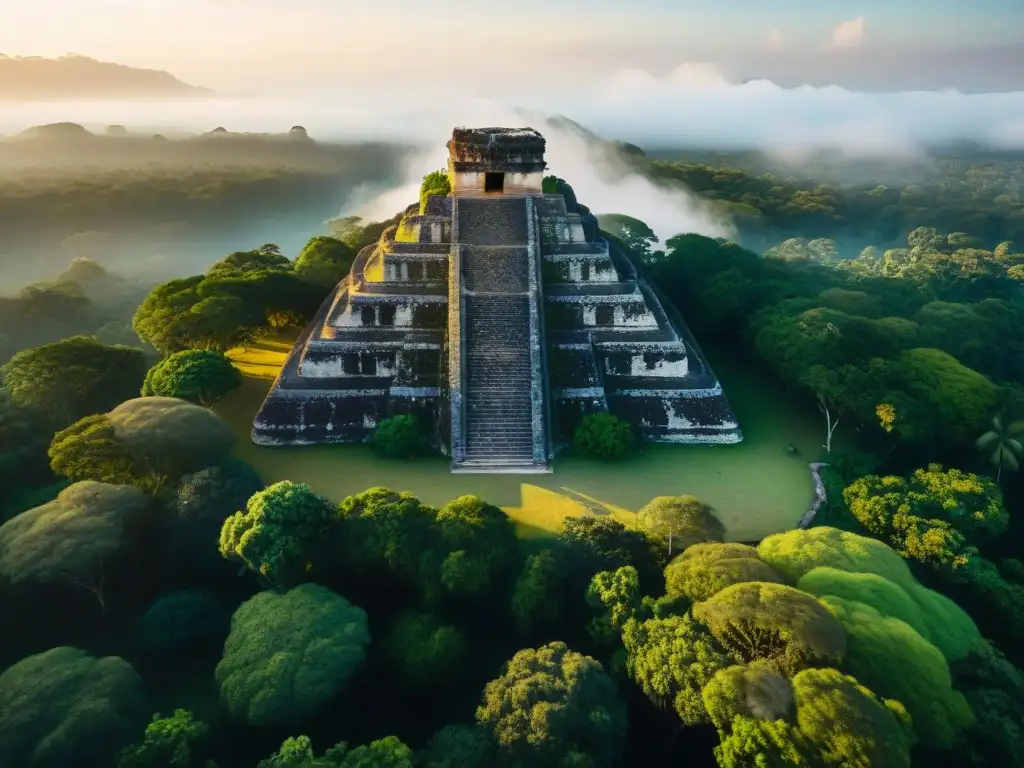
458	746
180	620
603	436
994	689
66	709
73	378
424	650
593	544
399	437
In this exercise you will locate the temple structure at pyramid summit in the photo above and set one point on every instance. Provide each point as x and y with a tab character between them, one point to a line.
500	316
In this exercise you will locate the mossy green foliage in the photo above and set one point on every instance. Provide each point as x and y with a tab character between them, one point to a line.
603	436
434	183
399	437
275	533
198	375
785	627
820	718
289	653
892	659
795	552
66	709
149	442
935	617
552	706
705	569
549	185
870	589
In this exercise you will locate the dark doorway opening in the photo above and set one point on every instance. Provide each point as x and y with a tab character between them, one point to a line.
494	182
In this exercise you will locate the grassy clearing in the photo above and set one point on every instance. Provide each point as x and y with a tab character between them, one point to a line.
757	487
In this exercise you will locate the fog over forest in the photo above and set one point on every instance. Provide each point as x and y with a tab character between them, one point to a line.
694	107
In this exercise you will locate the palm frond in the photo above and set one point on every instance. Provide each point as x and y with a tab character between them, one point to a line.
1014	445
1015	428
1010	461
987	440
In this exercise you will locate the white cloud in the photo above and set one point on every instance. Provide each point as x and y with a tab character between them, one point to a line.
849	34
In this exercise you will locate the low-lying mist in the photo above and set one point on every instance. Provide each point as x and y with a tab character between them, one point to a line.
692	107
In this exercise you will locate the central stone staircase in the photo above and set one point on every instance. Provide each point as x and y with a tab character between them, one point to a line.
503	421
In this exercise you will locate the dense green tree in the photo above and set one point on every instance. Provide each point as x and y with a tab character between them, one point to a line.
930	516
177	741
266	257
637	237
424	650
324	260
479	545
399	437
70	538
149	442
603	436
73	378
773	622
392	533
66	709
994	689
672	659
615	597
203	501
888	656
297	752
288	653
592	544
276	532
535	597
704	569
554	707
434	183
820	718
198	375
679	522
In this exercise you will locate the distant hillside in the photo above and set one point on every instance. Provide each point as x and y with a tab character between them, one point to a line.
79	77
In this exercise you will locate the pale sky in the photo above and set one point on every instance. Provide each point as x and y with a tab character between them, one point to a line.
249	44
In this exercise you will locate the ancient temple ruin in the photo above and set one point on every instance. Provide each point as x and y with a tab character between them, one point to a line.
500	316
